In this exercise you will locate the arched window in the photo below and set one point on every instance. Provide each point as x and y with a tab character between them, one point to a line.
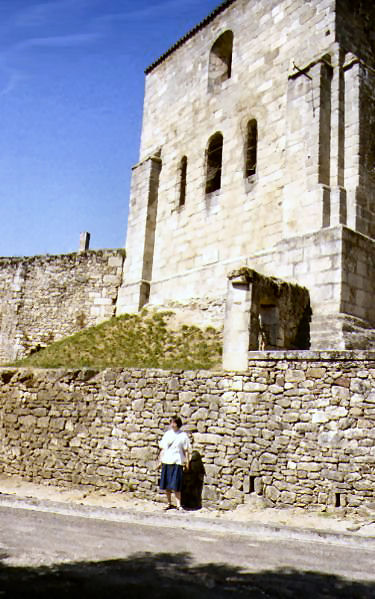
220	63
183	173
251	148
214	163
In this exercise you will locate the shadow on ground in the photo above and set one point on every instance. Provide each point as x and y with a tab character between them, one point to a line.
170	576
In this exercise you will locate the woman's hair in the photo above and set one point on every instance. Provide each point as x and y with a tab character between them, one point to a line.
177	420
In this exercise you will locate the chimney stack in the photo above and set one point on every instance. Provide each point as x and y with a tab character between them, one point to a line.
84	242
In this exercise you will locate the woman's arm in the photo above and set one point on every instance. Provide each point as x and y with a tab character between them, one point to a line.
163	445
187	460
187	452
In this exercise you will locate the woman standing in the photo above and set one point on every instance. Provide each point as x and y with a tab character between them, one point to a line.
175	446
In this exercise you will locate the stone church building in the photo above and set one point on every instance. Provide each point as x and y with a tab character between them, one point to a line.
258	151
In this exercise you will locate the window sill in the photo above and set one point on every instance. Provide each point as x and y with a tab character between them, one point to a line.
250	182
219	86
178	209
212	201
212	194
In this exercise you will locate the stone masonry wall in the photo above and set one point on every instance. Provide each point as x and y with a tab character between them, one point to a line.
44	298
298	427
180	116
304	72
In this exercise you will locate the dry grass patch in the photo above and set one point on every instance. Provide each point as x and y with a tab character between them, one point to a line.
133	341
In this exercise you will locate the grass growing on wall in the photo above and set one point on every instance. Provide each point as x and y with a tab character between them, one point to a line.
133	341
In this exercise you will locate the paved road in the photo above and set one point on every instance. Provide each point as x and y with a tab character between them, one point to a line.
56	556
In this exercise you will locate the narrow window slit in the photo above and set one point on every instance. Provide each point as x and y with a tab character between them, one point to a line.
183	175
251	149
214	163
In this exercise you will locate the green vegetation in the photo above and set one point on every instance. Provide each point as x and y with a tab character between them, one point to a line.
133	341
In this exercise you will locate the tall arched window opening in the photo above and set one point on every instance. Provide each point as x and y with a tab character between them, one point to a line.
220	63
183	174
214	163
251	148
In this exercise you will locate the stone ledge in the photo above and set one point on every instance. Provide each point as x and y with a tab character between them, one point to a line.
45	258
311	355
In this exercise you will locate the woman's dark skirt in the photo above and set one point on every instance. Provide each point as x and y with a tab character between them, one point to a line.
171	477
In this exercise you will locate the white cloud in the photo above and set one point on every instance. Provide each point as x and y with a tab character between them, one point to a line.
42	12
57	41
46	14
149	11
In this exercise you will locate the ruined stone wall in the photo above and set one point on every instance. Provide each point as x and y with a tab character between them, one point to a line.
45	298
359	277
298	427
263	313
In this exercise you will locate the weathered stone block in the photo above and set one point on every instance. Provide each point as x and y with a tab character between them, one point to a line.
138	405
333	475
341	393
316	373
294	376
76	442
276	390
268	458
10	418
28	421
210	493
288	497
310	466
141	453
207	438
272	494
104	471
200	414
319	417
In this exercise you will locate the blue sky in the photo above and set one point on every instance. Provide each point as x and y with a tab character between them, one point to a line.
71	95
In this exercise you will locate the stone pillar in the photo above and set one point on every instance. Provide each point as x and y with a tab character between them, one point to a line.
359	145
338	199
306	195
84	241
135	291
237	323
351	173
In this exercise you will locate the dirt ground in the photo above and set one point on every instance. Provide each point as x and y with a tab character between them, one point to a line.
254	511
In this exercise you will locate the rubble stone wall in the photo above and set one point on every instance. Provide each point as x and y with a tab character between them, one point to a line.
297	428
45	298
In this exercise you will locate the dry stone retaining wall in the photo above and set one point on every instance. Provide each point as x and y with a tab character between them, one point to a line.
297	427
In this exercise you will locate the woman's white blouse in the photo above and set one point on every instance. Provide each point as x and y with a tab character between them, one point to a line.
174	446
